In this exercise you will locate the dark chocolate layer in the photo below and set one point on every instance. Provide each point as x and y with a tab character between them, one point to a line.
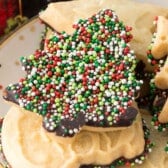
124	120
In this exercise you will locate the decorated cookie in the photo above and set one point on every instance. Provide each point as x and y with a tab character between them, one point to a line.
142	15
36	147
160	43
87	78
157	56
159	53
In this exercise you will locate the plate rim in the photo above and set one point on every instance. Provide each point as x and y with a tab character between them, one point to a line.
7	37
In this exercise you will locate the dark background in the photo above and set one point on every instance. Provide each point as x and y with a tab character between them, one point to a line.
32	7
9	13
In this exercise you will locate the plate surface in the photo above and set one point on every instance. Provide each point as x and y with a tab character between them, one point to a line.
21	43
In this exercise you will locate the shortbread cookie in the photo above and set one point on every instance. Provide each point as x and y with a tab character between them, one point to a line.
141	14
158	52
161	77
87	78
159	46
26	142
157	56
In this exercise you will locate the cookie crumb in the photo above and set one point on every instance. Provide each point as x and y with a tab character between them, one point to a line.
17	63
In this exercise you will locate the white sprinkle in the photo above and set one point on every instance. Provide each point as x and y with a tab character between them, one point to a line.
70	131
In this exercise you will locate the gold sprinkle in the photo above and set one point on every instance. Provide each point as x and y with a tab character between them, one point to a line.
17	63
21	37
32	29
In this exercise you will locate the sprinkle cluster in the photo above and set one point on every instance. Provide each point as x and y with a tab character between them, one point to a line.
89	72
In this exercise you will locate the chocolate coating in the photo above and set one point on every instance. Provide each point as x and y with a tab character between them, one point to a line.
124	120
10	96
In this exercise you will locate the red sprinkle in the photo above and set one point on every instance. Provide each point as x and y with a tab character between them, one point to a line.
1	87
127	164
156	18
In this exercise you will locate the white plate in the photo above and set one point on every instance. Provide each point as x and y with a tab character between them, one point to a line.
21	43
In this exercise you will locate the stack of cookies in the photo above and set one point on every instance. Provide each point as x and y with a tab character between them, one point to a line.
76	107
